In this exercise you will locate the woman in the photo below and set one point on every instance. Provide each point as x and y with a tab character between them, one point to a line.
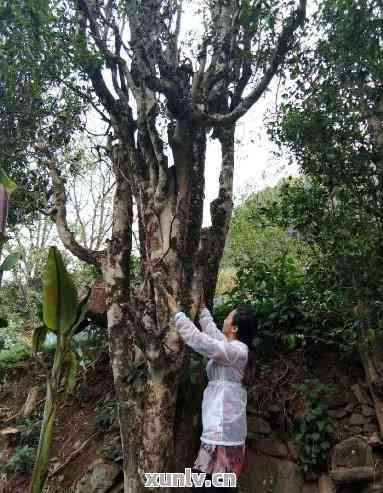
229	369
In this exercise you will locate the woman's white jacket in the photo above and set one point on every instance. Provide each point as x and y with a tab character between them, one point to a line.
225	397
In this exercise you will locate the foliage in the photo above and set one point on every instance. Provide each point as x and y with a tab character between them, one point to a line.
345	267
22	460
34	109
254	236
274	288
313	431
330	120
14	354
329	265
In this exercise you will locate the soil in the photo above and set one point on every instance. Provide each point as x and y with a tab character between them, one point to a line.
75	422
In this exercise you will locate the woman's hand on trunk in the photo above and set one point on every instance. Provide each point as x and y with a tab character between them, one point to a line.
172	303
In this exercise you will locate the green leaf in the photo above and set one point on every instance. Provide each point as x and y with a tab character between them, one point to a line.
60	302
70	381
10	262
9	185
38	338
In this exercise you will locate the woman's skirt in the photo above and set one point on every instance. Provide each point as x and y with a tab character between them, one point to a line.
220	458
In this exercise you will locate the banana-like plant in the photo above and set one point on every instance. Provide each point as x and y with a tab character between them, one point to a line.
62	314
7	186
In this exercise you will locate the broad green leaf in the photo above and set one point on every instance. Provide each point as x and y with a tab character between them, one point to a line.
70	380
60	302
10	262
9	185
38	338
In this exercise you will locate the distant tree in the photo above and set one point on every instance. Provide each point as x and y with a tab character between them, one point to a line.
254	235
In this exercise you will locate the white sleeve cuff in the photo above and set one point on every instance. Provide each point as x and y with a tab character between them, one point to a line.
178	315
204	312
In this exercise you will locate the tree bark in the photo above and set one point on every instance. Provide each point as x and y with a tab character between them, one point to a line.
124	354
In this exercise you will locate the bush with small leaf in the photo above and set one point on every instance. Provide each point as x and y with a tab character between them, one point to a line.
22	460
313	431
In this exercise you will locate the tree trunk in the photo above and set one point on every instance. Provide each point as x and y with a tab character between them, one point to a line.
124	355
171	220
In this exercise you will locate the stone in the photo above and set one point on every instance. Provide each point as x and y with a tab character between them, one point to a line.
31	402
255	424
100	478
368	411
357	419
264	474
118	489
373	488
270	446
361	394
353	452
353	475
337	413
311	476
335	400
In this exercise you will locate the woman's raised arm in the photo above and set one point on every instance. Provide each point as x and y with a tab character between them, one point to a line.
223	351
208	325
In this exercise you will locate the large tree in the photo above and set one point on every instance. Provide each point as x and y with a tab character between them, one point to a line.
148	79
156	85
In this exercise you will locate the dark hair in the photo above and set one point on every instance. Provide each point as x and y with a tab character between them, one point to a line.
246	322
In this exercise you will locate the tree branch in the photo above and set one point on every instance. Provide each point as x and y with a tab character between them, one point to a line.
60	216
295	20
221	210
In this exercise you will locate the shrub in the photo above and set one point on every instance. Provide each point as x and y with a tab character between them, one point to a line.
313	431
22	460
